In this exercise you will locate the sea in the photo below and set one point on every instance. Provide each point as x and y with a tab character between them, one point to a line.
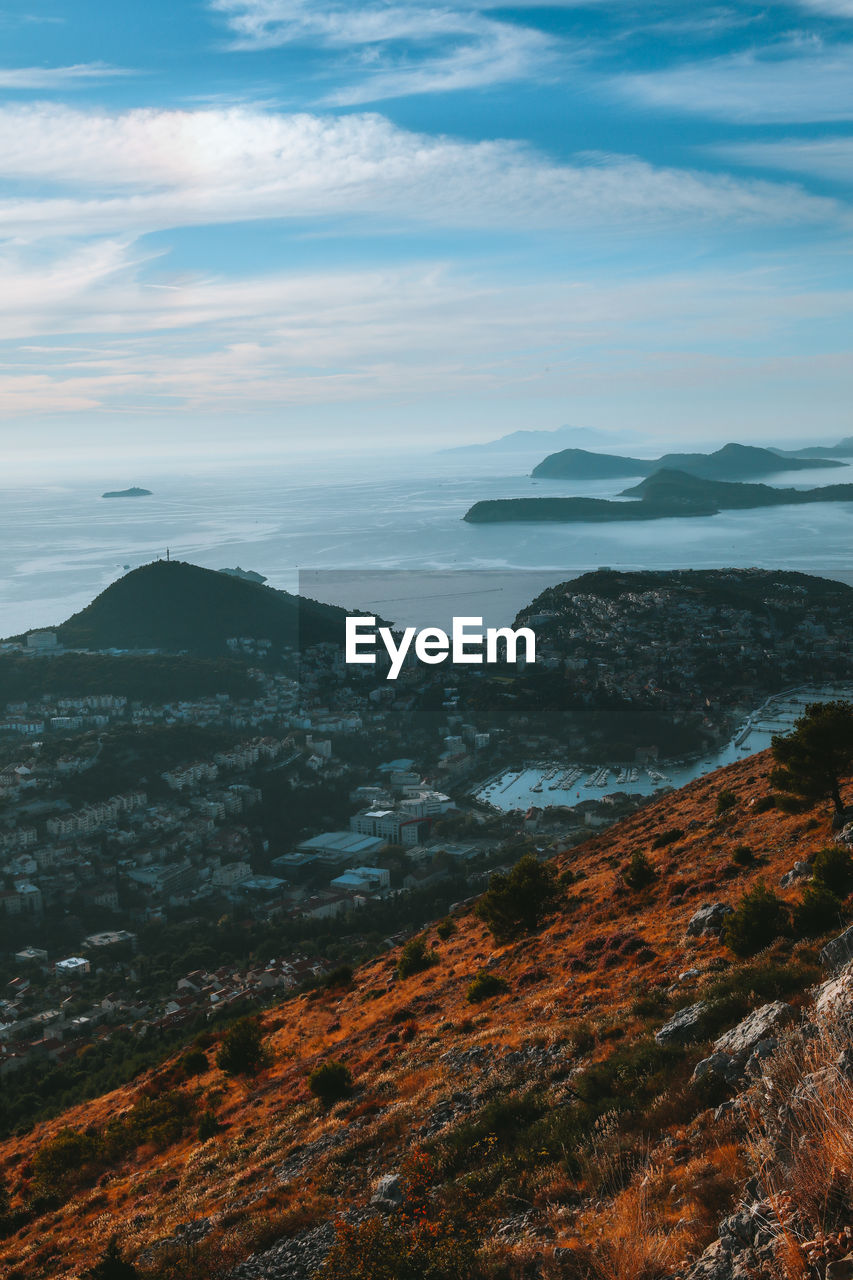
384	534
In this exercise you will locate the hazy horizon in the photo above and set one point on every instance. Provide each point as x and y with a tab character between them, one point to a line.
245	226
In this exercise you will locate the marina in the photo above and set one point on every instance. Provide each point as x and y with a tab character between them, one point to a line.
545	783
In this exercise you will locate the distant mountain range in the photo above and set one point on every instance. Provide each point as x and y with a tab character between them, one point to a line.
533	441
176	606
731	462
665	494
844	449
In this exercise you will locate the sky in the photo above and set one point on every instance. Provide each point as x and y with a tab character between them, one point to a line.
241	228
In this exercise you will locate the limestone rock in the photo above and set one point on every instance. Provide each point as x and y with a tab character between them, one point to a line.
708	919
684	1026
837	952
762	1024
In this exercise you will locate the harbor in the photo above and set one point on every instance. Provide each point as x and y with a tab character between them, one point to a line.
547	783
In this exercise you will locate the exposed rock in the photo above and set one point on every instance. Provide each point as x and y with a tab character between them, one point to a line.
719	1065
761	1024
800	872
839	950
389	1192
708	919
684	1026
834	999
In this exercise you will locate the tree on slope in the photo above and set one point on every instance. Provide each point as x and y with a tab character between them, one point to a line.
814	758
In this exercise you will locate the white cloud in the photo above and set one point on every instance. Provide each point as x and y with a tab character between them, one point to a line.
391	50
73	77
801	81
147	170
827	158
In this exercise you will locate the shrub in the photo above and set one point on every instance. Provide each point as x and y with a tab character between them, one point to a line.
208	1126
639	871
341	976
485	986
112	1265
725	800
819	910
517	903
330	1082
445	928
667	837
415	957
833	870
760	917
243	1052
742	856
66	1160
764	803
194	1062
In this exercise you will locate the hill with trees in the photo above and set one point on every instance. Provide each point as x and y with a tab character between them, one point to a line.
181	607
731	462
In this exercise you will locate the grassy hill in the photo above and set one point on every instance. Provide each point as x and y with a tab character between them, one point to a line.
177	606
537	1122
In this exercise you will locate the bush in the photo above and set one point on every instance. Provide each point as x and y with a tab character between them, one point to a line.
243	1052
764	803
194	1062
819	911
415	957
743	856
833	870
639	871
485	986
339	977
517	903
725	800
760	917
331	1082
112	1265
667	837
445	928
66	1160
208	1126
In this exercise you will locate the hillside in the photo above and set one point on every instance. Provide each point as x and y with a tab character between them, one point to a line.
666	494
731	462
172	605
544	1117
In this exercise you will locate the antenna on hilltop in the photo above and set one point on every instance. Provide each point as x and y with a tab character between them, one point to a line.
167	555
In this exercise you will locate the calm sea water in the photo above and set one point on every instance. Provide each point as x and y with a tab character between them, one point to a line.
62	544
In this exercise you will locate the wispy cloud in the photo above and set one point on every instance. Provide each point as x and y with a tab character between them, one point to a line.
802	80
147	170
73	77
393	50
827	158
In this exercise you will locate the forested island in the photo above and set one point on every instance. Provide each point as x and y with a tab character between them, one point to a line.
731	462
133	492
663	495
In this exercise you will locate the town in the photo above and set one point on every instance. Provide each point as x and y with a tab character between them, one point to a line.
170	861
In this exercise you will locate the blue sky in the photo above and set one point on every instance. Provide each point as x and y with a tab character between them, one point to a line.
266	225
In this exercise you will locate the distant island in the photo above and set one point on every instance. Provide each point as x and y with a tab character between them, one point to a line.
661	496
518	442
248	575
731	462
133	492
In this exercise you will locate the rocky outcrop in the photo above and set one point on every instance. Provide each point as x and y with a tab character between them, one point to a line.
744	1250
708	920
800	873
752	1040
684	1026
837	952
